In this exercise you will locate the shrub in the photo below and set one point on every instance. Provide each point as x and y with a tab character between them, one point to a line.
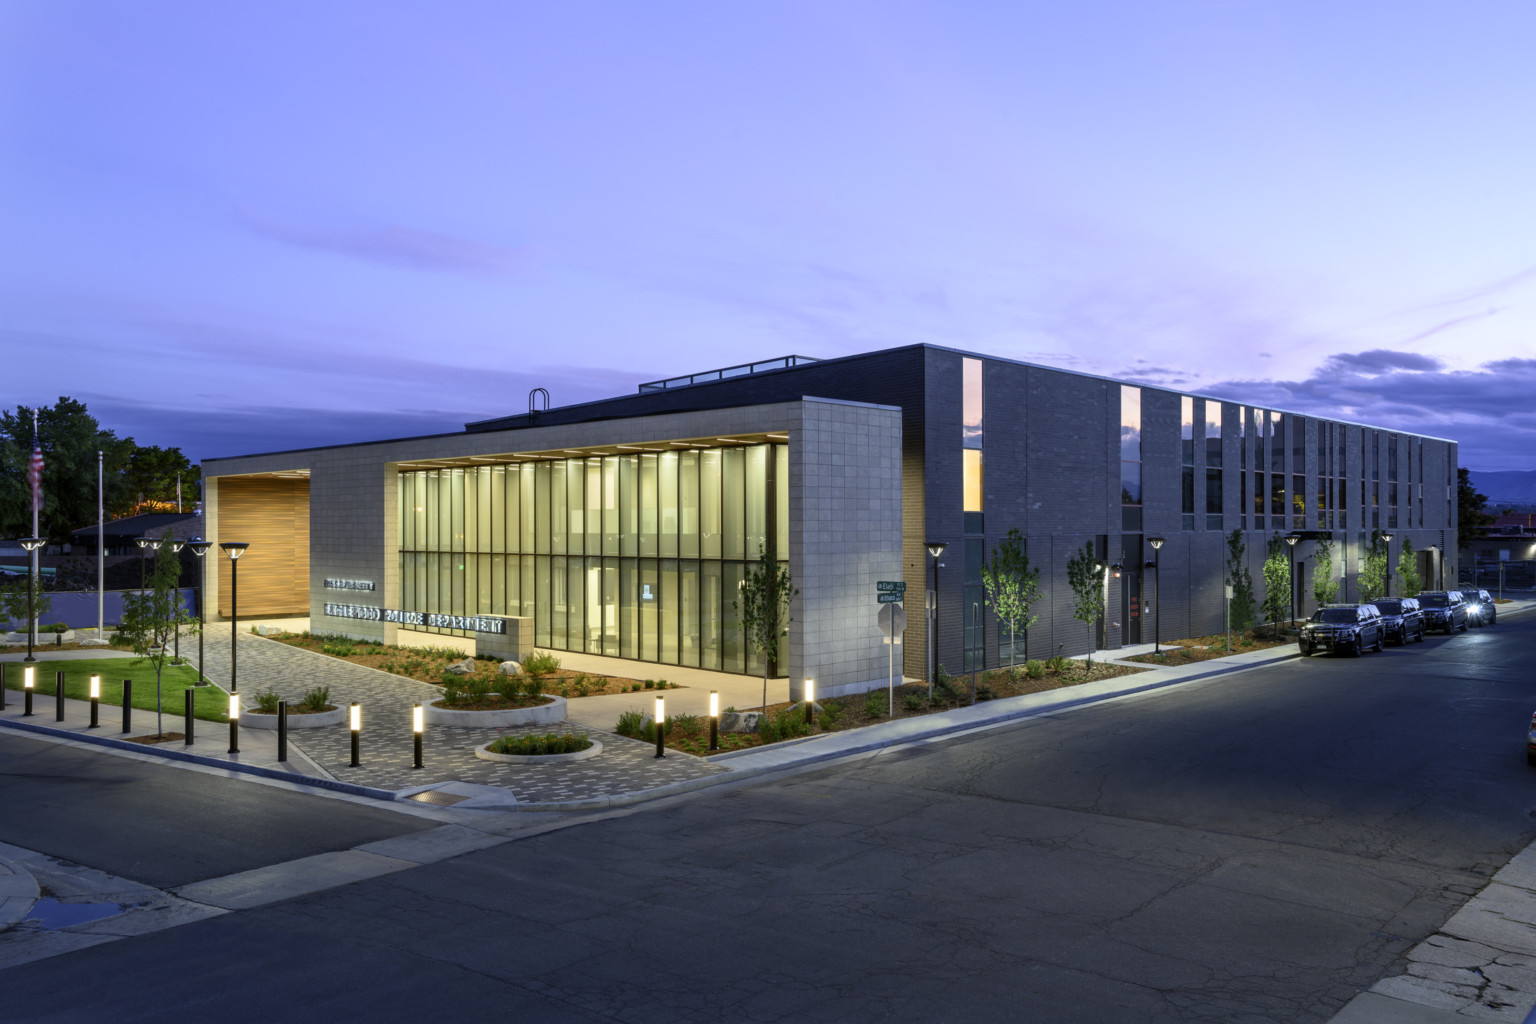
791	722
1057	664
541	663
875	704
650	684
453	690
631	723
550	743
985	692
913	701
686	724
266	702
1034	668
57	627
317	699
830	710
944	688
340	649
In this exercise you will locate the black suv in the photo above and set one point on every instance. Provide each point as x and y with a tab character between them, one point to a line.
1401	618
1343	627
1444	609
1481	611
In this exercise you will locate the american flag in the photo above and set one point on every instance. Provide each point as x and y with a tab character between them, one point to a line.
35	472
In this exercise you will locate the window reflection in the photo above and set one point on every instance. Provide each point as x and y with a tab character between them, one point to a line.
970	373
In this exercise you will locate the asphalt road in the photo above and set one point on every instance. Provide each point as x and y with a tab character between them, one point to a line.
1256	848
165	826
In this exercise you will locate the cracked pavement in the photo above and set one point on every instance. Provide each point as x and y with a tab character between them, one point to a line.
1254	848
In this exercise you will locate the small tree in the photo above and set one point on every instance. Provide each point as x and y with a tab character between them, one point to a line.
1373	572
13	602
1408	570
1277	582
1240	580
1011	587
1325	586
1086	575
151	619
764	607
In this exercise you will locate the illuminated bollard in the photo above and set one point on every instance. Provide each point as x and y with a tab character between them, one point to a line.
810	701
714	719
234	723
127	705
661	721
58	697
95	701
355	723
191	699
28	681
418	726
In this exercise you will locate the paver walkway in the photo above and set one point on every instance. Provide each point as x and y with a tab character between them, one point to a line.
625	766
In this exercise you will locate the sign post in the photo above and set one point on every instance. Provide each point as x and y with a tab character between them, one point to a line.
893	622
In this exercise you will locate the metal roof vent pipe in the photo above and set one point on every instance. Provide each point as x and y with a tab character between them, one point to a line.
533	397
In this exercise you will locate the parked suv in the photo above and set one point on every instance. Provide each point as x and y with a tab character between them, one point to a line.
1444	609
1401	618
1343	627
1481	611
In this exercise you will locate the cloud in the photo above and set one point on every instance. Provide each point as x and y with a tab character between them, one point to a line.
1486	410
390	245
1381	360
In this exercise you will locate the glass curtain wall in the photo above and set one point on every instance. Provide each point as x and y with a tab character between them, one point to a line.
636	555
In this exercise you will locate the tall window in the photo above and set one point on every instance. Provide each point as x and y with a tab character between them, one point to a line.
1260	460
636	555
971	437
1242	466
1187	453
1391	481
1130	459
1213	496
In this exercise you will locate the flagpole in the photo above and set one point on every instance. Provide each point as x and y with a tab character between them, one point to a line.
101	554
36	493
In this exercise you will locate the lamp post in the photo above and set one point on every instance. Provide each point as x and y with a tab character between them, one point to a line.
142	542
935	548
1388	538
176	546
1290	542
1157	591
200	549
31	544
234	549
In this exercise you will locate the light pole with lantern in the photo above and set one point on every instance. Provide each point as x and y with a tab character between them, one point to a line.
935	548
31	544
234	549
200	549
1290	542
1157	592
176	546
1387	537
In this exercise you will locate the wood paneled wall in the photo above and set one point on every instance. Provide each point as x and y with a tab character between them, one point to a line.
273	516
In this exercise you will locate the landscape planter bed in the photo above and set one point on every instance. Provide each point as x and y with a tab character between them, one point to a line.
296	719
550	713
484	753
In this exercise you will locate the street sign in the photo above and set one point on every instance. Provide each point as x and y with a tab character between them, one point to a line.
893	619
890	586
889	598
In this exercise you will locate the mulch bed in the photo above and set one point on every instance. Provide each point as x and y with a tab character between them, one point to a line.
1208	648
840	714
164	737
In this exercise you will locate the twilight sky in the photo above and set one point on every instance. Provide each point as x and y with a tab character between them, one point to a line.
246	227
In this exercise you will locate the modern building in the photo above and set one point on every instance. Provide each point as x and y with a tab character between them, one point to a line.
623	527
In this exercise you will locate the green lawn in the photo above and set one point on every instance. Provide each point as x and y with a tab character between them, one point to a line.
212	703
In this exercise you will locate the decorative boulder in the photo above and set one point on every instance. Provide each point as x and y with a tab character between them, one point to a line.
267	630
510	668
462	668
740	721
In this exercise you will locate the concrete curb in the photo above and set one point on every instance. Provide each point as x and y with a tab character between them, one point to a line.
18	892
154	750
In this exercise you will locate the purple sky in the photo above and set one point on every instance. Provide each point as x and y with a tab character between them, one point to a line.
243	227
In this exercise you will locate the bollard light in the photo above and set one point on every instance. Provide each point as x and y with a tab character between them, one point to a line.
810	699
661	722
2	686
234	723
28	681
418	726
127	705
189	706
58	697
714	719
95	701
355	723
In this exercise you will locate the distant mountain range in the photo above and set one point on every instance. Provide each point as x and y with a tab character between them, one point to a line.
1505	487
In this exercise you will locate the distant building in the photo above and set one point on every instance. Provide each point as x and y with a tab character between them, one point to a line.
623	527
118	534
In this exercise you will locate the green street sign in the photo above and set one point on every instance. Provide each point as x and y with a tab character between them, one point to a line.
889	598
890	586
